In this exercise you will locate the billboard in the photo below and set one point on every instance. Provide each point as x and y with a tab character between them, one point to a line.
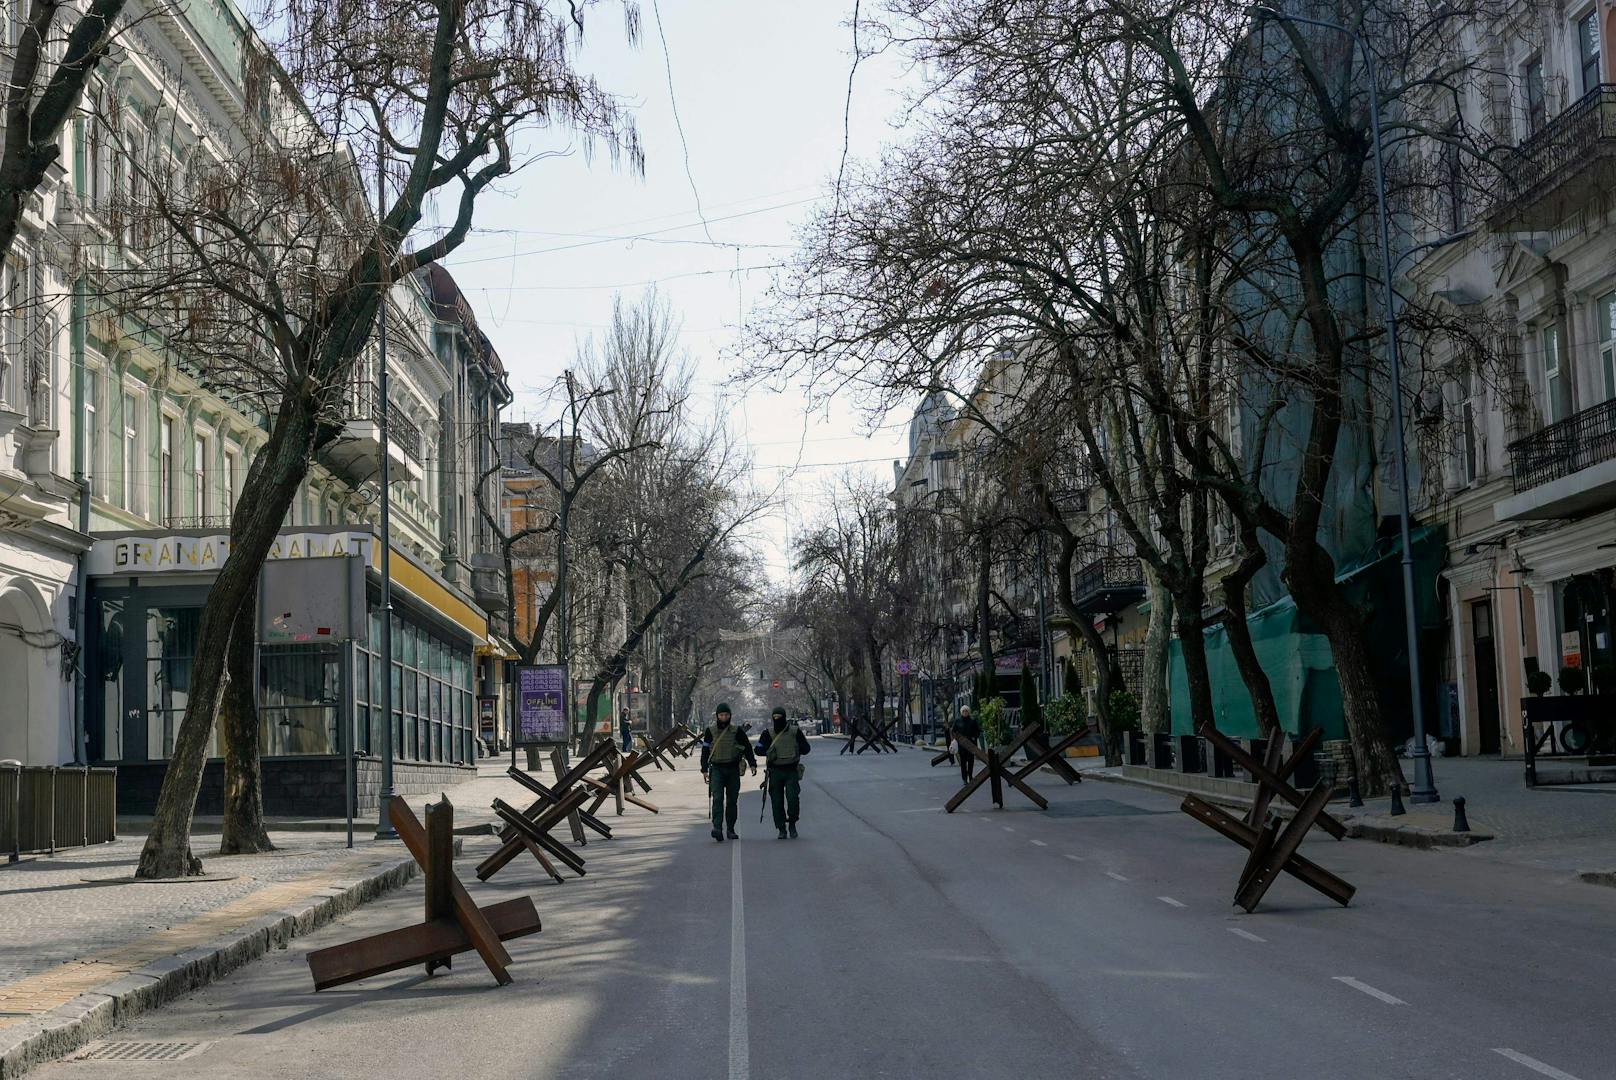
541	706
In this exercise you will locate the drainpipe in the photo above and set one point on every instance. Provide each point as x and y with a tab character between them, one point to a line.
81	476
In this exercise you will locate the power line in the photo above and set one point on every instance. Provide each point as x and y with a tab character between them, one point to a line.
678	124
630	284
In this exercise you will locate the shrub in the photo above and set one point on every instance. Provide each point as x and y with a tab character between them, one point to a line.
1539	682
1065	714
1124	711
1573	680
995	727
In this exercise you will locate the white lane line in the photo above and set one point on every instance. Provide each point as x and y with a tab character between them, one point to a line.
1247	934
1007	828
740	1057
1533	1063
1040	843
1362	987
1074	858
1114	874
1169	900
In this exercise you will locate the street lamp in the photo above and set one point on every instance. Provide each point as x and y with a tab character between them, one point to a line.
568	463
1424	789
384	826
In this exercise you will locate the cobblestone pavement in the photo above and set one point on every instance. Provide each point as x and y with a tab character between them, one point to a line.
75	920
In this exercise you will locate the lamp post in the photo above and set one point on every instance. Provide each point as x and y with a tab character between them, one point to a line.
568	464
1424	788
384	826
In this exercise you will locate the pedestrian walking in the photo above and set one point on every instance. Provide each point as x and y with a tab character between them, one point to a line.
783	749
722	748
967	726
625	727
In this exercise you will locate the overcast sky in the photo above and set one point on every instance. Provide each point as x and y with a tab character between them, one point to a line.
759	87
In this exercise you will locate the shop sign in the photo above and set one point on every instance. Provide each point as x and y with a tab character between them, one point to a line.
190	554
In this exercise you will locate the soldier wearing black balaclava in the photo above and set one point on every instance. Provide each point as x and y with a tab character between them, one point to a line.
722	748
783	755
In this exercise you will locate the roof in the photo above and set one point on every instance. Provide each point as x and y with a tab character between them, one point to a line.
449	304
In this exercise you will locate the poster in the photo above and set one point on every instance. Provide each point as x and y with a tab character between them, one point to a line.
541	706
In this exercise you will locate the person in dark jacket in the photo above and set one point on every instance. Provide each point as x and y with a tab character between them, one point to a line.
967	726
782	751
626	730
722	748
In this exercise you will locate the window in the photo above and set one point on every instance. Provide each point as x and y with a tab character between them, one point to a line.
1453	177
1557	401
165	472
199	474
14	304
92	423
1607	343
1588	49
1470	460
229	486
1537	112
131	453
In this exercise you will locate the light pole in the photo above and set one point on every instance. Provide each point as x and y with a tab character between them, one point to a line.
568	464
1424	789
384	826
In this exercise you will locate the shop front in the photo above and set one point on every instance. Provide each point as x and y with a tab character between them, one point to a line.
144	613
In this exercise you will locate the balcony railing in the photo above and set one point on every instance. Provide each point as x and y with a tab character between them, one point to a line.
363	402
1109	584
1561	147
1563	448
197	521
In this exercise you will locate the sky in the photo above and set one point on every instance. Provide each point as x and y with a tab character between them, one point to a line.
759	88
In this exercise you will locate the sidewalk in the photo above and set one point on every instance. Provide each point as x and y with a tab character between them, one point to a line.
85	947
1570	829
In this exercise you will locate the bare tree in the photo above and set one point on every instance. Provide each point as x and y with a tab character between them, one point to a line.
268	267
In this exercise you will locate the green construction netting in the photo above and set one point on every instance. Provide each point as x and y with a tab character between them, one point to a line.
1297	657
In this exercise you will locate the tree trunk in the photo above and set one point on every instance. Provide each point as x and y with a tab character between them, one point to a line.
243	832
1311	577
1154	705
1234	585
984	606
1192	639
271	485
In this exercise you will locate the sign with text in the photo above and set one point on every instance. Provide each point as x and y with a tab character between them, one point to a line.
541	705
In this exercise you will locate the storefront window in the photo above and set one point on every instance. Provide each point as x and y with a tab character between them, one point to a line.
171	634
299	699
106	740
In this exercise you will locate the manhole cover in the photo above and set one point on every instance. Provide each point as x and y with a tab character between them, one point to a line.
127	1050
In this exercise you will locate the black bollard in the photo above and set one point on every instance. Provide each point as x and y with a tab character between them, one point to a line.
1354	796
1397	802
1461	823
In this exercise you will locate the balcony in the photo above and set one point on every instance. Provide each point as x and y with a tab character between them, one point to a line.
357	453
1562	167
1566	470
488	582
1109	584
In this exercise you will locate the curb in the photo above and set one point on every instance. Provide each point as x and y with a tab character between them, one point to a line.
1357	829
68	1027
1598	877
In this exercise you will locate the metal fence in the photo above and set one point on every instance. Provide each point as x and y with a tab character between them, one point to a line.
46	807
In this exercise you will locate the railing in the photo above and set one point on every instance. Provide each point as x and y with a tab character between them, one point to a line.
1563	448
1112	572
1562	143
45	807
363	401
197	521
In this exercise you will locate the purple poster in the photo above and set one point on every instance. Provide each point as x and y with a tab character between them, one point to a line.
541	705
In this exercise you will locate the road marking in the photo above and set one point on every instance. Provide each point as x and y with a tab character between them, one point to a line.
1114	874
1169	900
1075	858
1040	843
919	810
740	1064
1379	995
1007	828
1247	934
1533	1063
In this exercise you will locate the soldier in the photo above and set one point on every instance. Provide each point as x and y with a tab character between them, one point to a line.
783	752
722	748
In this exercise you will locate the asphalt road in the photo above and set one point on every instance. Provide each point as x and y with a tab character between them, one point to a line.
1095	940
